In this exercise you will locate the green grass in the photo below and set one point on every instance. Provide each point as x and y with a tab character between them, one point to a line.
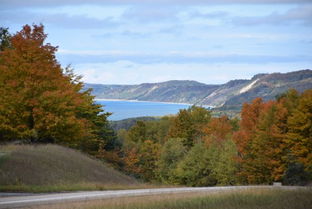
241	199
51	168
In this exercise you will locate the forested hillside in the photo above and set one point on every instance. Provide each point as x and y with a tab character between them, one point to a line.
230	95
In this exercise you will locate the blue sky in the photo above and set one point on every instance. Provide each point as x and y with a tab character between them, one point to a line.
139	41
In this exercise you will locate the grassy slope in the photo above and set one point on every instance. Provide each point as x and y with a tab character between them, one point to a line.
53	168
241	199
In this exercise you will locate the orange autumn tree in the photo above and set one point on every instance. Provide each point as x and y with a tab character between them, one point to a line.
244	137
217	130
266	141
40	101
265	161
250	116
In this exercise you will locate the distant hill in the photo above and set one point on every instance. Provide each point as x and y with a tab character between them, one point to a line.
55	168
231	94
170	91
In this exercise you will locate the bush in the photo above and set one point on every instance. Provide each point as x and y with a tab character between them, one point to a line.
295	175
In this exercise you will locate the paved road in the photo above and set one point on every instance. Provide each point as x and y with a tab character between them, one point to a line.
11	200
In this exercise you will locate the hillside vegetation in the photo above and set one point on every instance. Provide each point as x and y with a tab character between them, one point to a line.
271	142
53	167
129	122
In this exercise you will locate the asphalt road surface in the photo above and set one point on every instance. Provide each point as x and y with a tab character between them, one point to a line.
16	200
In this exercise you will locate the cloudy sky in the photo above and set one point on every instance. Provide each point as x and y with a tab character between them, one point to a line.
138	41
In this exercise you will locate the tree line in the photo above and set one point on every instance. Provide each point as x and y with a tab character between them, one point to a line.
41	102
271	142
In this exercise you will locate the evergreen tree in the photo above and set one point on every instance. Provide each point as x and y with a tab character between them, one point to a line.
5	37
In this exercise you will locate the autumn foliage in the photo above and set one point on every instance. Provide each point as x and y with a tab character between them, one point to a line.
272	143
42	102
273	135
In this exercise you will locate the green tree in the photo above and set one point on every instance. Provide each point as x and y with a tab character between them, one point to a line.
157	130
137	133
5	37
223	164
140	159
170	154
182	127
140	151
195	168
199	115
188	125
148	156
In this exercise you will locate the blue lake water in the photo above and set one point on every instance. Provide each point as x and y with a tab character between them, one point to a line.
130	109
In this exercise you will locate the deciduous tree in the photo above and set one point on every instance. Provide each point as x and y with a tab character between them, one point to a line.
42	102
188	125
300	131
170	154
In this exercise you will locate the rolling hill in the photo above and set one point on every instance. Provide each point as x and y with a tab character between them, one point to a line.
39	168
170	91
229	95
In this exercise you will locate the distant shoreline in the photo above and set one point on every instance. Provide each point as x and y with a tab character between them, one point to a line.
132	100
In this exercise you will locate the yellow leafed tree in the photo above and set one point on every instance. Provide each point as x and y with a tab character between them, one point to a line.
40	101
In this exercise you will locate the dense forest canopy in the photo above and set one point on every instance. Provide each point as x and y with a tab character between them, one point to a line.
271	142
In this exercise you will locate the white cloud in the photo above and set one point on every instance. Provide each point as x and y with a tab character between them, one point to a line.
302	14
58	19
125	72
176	39
146	14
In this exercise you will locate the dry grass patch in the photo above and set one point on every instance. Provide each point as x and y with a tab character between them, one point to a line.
241	199
40	168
